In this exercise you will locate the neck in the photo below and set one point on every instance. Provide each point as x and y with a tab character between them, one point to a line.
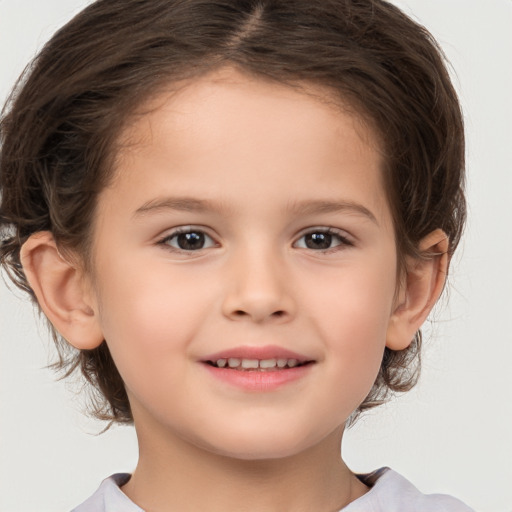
181	476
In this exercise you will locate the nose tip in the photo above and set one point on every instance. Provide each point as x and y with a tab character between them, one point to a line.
259	293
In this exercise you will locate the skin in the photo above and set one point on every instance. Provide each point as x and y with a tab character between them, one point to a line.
265	160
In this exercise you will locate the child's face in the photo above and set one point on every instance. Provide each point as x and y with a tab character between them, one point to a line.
290	254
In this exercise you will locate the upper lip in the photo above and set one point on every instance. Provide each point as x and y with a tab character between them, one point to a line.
260	353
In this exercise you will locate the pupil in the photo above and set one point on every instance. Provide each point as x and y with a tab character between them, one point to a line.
318	241
191	241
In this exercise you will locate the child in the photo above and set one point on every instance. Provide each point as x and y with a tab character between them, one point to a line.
238	214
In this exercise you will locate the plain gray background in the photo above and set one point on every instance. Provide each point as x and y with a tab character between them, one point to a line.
451	434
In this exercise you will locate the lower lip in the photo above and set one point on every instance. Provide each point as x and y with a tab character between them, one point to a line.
259	381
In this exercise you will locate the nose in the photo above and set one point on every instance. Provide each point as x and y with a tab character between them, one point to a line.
258	289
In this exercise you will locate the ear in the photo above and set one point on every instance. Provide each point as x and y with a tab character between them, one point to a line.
419	291
61	291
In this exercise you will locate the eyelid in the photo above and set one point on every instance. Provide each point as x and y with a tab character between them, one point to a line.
346	240
179	230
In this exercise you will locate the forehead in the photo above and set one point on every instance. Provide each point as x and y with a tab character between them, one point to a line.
227	94
228	129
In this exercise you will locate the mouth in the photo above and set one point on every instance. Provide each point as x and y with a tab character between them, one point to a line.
258	365
260	369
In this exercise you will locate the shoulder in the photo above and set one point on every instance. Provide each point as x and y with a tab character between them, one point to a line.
391	492
109	497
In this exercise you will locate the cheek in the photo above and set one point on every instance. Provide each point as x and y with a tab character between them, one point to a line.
148	315
356	305
354	326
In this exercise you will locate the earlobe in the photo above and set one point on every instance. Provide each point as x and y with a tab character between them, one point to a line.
423	284
60	291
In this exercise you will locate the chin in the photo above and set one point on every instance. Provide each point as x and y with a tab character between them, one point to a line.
262	445
255	454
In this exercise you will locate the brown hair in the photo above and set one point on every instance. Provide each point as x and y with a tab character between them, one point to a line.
60	126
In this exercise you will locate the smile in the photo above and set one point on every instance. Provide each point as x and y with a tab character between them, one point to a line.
260	369
263	365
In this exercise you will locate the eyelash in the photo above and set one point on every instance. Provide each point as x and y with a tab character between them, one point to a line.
184	231
343	241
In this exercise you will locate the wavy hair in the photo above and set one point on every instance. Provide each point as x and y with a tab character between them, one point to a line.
59	128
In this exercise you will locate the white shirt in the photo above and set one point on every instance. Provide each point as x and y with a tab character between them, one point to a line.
390	492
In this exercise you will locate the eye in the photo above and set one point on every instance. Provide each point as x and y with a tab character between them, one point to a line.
322	240
188	239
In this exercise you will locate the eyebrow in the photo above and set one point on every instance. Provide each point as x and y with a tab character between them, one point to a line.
308	207
322	206
186	204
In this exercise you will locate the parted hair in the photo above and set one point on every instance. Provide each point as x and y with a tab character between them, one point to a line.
60	126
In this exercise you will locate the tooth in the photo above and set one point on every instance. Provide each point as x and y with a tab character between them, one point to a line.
250	363
281	363
268	363
233	362
292	363
221	363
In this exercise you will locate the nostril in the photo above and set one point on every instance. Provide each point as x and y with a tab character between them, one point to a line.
241	313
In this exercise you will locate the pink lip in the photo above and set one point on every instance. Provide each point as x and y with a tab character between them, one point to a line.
265	352
258	381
